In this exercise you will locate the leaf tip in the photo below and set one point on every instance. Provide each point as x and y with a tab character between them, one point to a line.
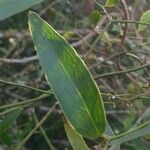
31	20
31	13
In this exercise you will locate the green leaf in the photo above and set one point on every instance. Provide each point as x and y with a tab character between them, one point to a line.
148	1
11	7
69	78
76	140
111	3
5	138
145	18
95	17
8	120
139	131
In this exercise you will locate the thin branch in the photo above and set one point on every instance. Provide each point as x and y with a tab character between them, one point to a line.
43	11
18	61
126	12
8	111
130	21
116	137
34	58
103	8
125	28
25	102
36	127
83	40
43	133
121	72
24	86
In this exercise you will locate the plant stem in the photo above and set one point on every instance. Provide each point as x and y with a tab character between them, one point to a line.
36	127
25	86
130	21
121	72
129	131
103	8
25	102
126	15
7	111
44	133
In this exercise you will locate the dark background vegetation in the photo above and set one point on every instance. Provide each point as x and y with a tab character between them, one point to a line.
126	96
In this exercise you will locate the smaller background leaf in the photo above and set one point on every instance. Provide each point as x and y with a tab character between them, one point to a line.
95	17
111	3
76	140
145	18
148	1
5	138
8	120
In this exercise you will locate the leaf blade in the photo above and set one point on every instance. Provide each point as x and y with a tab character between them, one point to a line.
11	7
8	119
69	79
111	3
145	18
76	140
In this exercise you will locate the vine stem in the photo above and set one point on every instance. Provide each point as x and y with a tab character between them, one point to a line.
25	102
36	127
8	111
130	21
121	72
103	8
43	133
24	86
111	139
126	13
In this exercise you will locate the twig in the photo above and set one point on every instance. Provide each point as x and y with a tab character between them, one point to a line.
144	115
121	72
116	137
130	21
102	7
18	61
91	48
25	102
96	40
126	15
34	58
43	133
125	8
24	86
8	111
13	49
43	11
139	60
83	40
108	58
36	127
